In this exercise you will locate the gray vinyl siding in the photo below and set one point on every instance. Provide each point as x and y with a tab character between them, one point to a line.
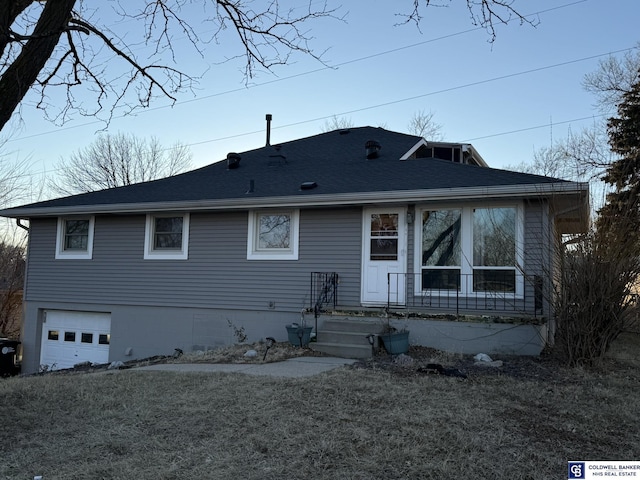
217	273
536	242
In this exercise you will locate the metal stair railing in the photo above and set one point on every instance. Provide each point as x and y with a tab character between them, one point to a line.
324	291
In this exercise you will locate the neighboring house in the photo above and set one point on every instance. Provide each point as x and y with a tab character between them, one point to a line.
406	224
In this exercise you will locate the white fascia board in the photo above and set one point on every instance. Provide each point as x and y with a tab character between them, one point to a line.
370	198
413	149
475	154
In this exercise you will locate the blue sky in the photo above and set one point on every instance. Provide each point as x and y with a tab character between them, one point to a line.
508	98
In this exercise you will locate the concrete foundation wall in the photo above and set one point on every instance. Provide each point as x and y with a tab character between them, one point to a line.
473	338
142	332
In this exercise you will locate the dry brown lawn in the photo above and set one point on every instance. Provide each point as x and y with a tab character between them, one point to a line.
351	423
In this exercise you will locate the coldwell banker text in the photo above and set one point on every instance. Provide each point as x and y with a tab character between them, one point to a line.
586	470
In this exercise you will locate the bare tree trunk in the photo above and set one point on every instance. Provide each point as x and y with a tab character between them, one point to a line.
23	72
9	11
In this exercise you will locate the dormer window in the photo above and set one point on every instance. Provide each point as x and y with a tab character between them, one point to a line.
450	153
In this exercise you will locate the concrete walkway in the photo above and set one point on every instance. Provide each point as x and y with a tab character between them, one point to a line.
291	368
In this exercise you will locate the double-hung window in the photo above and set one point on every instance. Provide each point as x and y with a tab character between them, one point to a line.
74	238
468	250
273	235
167	237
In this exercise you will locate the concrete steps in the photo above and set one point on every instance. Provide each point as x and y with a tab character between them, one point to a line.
346	337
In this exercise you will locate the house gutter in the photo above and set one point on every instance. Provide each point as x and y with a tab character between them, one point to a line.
19	223
340	199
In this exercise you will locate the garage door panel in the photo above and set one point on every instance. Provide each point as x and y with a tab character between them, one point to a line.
69	338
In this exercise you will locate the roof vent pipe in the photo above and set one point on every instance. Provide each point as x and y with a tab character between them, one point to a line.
372	148
268	118
233	160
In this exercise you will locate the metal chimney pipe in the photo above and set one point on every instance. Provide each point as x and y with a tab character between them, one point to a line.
269	117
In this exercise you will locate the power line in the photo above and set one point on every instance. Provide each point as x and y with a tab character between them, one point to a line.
591	117
468	140
290	77
436	92
380	105
415	97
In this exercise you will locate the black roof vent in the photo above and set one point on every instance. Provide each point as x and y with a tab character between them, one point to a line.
277	159
233	160
308	185
344	131
372	148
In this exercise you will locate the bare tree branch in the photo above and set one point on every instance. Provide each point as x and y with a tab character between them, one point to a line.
34	54
422	124
336	123
20	75
612	79
117	160
12	269
484	13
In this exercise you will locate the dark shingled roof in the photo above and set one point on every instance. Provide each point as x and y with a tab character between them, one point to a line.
335	161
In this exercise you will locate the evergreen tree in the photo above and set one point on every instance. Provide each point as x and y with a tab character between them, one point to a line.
619	219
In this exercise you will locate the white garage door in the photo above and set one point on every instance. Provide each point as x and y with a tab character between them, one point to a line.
69	338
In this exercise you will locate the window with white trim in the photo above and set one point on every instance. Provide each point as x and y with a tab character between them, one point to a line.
74	238
384	237
441	249
166	237
494	249
273	235
467	250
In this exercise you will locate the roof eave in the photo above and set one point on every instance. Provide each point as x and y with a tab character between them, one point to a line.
351	198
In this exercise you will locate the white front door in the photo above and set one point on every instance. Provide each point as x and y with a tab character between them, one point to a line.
384	256
69	338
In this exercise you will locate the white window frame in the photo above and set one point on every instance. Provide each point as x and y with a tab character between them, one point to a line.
64	254
291	253
418	249
151	253
466	244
